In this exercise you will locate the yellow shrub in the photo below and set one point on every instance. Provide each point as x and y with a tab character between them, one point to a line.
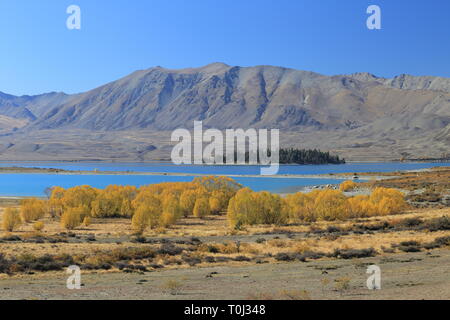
168	219
55	203
348	186
388	201
201	208
300	207
87	221
249	208
146	197
114	201
126	208
270	208
73	217
242	209
33	209
214	205
38	226
330	205
80	196
171	206
187	202
358	207
11	219
148	214
218	201
140	220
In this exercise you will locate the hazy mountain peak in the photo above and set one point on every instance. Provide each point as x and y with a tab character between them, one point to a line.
365	76
215	65
209	68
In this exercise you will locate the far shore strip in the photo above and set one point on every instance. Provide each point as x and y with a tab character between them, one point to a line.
343	176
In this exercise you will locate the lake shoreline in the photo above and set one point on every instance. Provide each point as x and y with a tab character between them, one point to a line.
19	170
22	182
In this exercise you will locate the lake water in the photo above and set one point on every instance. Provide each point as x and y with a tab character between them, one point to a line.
227	170
35	184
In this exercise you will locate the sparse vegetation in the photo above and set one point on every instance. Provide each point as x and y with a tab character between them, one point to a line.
172	286
342	284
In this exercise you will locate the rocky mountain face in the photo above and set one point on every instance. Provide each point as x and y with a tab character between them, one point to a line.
356	115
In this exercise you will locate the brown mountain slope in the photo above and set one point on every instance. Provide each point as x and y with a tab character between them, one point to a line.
358	114
263	96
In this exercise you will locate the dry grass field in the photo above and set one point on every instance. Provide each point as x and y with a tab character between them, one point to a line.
202	259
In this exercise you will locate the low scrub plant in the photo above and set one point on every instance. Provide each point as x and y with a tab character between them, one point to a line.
11	219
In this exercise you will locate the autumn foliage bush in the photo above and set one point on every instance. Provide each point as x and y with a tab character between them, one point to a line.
201	208
33	209
38	226
11	219
152	206
73	217
249	208
348	186
161	205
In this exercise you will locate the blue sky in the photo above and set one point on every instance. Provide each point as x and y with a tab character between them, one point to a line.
39	54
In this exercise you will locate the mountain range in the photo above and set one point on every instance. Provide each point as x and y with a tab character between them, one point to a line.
358	116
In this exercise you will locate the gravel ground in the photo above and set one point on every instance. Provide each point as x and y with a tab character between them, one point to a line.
404	276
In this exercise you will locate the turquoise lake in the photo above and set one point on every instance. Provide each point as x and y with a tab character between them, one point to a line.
35	184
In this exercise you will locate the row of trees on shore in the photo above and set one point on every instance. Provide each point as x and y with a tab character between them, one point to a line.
251	208
162	205
158	205
304	156
298	156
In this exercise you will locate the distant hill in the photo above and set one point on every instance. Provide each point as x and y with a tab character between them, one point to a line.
30	107
360	116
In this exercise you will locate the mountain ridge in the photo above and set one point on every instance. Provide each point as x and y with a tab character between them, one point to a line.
358	107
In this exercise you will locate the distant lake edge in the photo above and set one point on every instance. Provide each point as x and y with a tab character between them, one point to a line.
23	185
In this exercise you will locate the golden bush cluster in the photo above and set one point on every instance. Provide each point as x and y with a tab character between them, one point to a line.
333	205
161	205
348	185
249	208
153	206
11	219
33	209
73	217
38	226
